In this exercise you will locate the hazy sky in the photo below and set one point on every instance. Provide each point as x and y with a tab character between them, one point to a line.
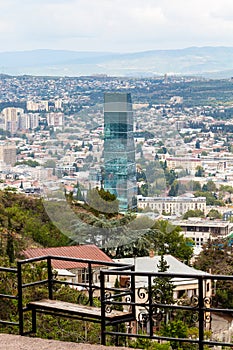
114	25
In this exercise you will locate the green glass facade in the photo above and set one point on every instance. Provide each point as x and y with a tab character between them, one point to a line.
119	150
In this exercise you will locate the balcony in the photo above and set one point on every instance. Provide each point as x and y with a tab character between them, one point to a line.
144	302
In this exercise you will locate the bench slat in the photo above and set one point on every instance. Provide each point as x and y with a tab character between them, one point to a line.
82	310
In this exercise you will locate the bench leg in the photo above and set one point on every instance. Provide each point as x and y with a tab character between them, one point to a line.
34	321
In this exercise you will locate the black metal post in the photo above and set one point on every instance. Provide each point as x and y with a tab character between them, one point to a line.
102	296
20	297
150	306
50	277
133	291
90	284
34	321
201	312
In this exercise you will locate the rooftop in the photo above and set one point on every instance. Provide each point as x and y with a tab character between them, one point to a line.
89	251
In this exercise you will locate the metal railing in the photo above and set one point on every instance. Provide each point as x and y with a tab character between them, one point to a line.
88	288
9	271
138	294
154	312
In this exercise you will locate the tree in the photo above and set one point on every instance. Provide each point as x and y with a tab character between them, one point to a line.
139	246
209	187
50	164
204	153
193	214
214	214
199	171
196	186
30	162
215	256
175	329
226	188
143	190
163	287
167	238
78	195
198	144
102	201
173	192
210	198
10	243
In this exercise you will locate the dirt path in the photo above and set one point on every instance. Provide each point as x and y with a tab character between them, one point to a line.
16	342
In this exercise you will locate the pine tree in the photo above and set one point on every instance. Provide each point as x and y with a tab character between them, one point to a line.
162	290
163	286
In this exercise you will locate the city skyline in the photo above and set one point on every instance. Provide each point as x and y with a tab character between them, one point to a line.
114	26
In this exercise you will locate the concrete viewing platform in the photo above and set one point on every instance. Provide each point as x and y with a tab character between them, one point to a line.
17	342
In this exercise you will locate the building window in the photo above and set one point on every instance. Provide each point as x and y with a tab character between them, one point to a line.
85	276
181	294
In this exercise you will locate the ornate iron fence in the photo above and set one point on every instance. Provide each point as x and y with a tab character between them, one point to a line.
195	301
155	313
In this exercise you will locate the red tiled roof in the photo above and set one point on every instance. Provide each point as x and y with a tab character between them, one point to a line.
89	251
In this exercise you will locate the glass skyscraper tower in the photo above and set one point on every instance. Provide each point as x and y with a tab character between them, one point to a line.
119	150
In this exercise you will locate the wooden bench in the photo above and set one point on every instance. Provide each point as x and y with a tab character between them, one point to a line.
88	313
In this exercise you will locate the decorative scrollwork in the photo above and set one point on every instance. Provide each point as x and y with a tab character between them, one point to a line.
208	318
157	314
143	293
128	299
207	301
107	295
108	309
157	296
83	298
193	301
143	318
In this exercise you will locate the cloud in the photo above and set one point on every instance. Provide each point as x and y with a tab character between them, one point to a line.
117	25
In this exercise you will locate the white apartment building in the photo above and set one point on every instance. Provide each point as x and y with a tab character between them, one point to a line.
185	163
58	104
28	121
33	120
11	117
201	230
24	122
172	205
38	106
7	153
55	119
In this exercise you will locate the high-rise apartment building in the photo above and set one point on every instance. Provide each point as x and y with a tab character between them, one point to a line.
28	121
42	105
7	153
55	119
119	150
11	116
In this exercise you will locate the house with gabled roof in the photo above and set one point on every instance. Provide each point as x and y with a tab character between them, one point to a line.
78	271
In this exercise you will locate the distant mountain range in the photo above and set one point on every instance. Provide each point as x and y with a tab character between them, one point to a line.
207	61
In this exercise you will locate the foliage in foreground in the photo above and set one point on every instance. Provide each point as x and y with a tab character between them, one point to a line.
24	222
